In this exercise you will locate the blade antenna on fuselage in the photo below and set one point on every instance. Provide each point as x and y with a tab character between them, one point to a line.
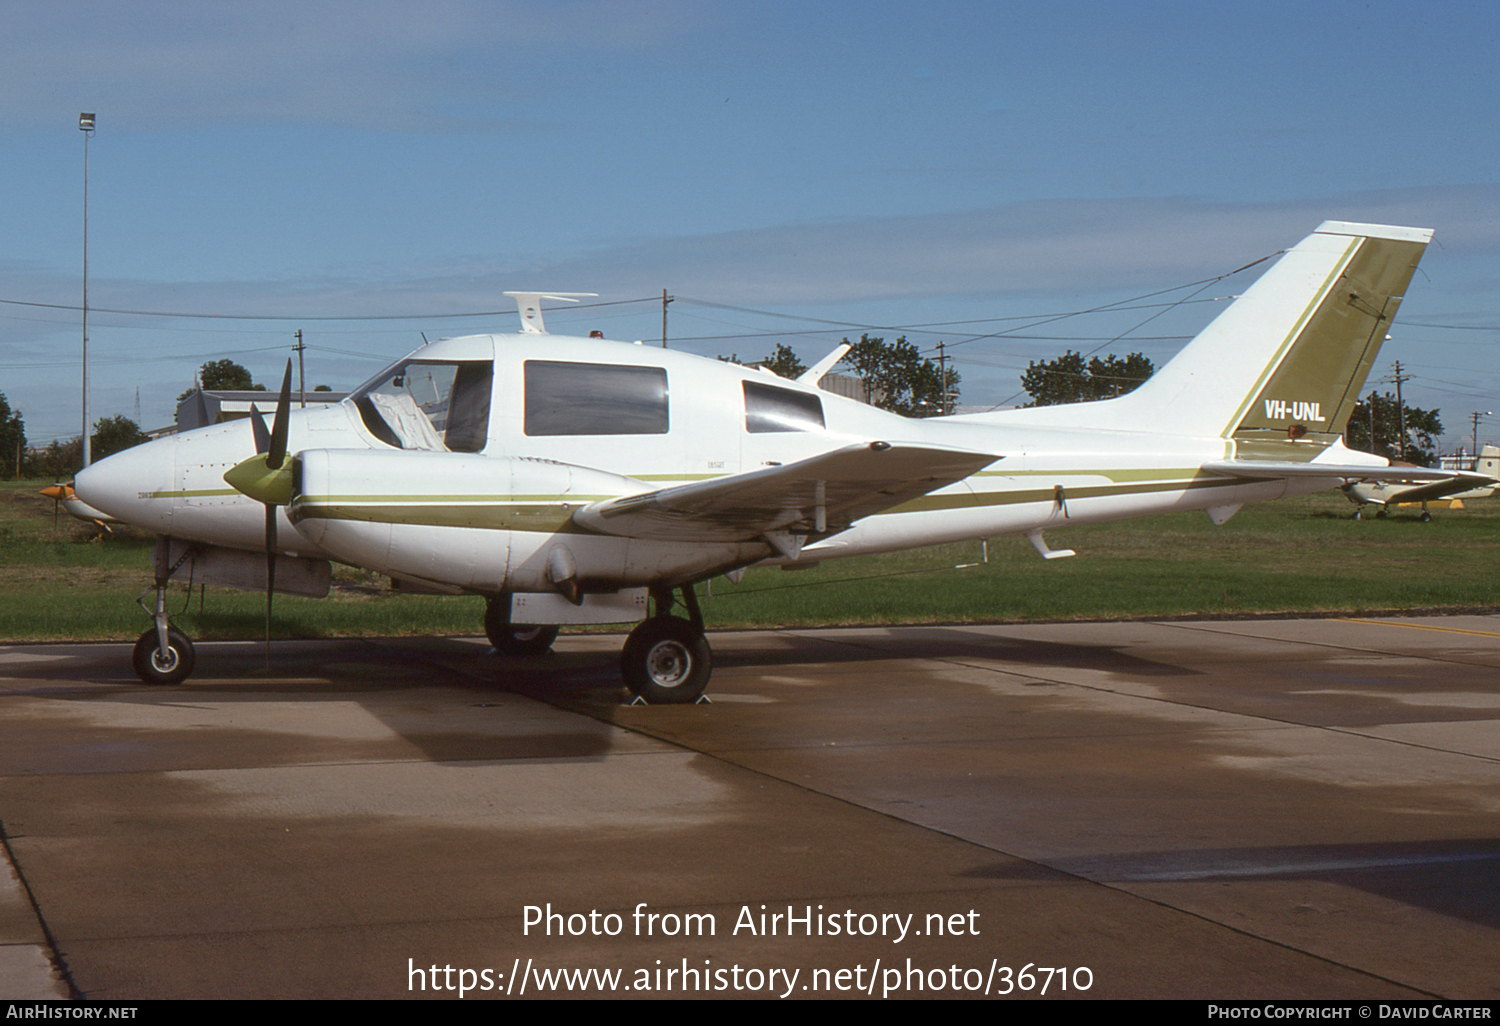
529	305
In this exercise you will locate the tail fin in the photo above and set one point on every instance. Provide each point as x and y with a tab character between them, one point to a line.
1284	365
1279	372
1488	462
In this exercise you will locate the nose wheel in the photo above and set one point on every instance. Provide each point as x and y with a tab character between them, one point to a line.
163	663
666	659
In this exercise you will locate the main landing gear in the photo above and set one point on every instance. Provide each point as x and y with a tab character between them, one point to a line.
514	639
666	659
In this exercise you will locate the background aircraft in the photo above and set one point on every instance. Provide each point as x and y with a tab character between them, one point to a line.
573	480
63	494
1479	482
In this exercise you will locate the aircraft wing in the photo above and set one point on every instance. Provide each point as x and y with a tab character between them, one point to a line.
1462	481
822	494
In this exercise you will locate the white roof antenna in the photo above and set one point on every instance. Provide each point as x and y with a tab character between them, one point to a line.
530	306
814	374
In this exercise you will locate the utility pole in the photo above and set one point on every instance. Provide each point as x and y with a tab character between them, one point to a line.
1477	415
301	377
942	381
665	299
1401	408
86	126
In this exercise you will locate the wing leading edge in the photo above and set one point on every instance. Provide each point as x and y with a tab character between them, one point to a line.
820	495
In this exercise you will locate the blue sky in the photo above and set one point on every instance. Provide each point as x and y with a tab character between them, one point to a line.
791	172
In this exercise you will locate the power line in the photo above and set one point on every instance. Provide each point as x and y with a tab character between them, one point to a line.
309	317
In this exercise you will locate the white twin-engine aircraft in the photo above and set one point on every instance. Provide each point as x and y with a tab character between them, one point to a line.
569	479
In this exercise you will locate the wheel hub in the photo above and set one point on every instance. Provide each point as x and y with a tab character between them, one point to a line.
669	664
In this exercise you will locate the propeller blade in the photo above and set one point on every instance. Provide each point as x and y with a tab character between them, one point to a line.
270	573
276	454
263	435
259	430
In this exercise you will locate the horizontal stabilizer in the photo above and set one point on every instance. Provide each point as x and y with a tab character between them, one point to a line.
820	495
1272	469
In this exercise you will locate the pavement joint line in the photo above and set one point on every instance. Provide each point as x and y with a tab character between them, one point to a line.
1422	627
54	954
1203	626
1119	887
1352	732
1270	722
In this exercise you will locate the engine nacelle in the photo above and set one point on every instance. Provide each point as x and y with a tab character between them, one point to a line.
484	523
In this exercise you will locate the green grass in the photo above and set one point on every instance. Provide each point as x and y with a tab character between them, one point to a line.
1301	555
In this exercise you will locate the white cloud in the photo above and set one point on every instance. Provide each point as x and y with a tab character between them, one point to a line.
367	63
1051	246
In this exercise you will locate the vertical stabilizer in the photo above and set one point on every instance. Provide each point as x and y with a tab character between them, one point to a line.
1281	369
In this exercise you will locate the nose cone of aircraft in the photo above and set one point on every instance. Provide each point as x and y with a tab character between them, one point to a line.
132	486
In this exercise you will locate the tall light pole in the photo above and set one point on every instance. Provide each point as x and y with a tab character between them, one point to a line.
86	126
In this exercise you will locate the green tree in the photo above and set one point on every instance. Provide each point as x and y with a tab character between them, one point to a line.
1071	379
112	434
784	363
899	379
58	461
1383	413
224	376
12	439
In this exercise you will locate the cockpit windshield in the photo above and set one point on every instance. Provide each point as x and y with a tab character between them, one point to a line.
429	404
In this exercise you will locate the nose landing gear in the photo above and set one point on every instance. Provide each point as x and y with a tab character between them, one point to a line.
163	655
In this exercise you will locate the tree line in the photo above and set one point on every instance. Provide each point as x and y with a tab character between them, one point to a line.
1375	426
61	459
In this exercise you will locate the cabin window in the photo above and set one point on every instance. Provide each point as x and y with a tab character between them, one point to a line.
595	399
429	404
768	408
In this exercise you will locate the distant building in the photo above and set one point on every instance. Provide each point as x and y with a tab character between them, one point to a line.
204	407
846	385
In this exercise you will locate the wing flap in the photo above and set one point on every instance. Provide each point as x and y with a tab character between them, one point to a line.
820	495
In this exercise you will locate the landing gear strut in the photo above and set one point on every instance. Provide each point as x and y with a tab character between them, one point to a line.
515	639
163	655
666	660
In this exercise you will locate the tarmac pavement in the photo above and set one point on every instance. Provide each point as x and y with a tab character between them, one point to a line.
1260	809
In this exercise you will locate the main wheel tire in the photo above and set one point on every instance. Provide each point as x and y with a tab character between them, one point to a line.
154	666
524	639
666	661
515	639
